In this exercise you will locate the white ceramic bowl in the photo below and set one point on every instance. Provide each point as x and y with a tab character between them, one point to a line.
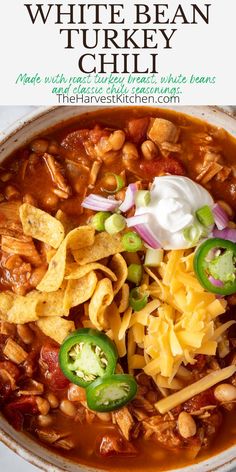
17	135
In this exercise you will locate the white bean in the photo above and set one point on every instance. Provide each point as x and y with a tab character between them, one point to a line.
68	408
186	425
43	405
53	401
225	393
44	420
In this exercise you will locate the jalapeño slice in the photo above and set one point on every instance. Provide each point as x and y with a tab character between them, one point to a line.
87	355
215	266
111	392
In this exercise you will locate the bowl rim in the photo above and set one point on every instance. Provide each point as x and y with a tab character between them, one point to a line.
41	111
24	451
45	465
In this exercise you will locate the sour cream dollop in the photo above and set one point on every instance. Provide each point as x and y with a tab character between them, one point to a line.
174	202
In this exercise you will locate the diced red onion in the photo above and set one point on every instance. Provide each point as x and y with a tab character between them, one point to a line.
220	217
99	203
217	283
141	225
148	236
129	198
227	233
138	220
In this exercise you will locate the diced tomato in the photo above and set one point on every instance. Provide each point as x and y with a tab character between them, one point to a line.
16	410
27	405
114	444
199	401
97	133
49	356
137	129
74	141
49	363
200	364
157	167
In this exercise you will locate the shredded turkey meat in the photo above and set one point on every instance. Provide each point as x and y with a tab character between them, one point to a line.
63	189
125	421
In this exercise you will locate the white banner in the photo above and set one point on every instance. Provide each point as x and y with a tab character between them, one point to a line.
121	52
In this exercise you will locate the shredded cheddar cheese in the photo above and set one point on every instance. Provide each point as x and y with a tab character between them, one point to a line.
184	323
180	321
